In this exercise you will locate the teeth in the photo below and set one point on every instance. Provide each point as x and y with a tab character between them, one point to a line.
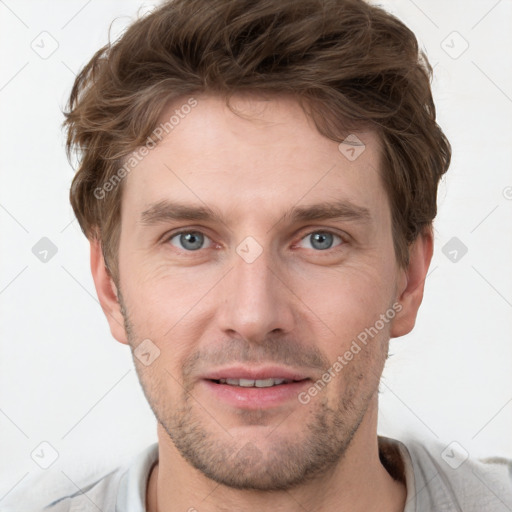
251	383
266	383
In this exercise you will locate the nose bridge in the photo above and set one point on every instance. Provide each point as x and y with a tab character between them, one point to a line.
252	273
254	304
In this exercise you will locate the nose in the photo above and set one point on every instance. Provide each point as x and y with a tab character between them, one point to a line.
256	301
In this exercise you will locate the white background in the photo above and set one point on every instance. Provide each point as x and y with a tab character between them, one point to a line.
64	380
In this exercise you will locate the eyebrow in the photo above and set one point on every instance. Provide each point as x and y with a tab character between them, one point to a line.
165	211
342	210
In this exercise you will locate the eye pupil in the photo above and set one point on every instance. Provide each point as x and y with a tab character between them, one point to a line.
191	241
321	240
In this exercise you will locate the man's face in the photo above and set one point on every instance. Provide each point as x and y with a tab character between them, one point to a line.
287	258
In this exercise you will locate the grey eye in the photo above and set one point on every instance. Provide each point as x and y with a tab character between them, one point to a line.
321	240
189	240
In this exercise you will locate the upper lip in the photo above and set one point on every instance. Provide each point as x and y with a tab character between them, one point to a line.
255	373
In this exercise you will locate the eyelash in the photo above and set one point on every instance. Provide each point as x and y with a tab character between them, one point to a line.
343	239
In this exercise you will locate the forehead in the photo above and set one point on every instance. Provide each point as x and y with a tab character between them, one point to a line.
267	154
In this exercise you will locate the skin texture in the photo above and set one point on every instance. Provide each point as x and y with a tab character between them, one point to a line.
295	306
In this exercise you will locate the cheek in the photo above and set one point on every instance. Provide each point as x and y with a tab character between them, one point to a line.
346	300
167	305
162	384
161	292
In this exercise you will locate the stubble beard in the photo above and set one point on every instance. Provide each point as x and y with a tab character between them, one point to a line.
275	462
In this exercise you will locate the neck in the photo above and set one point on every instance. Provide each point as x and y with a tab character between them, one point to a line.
358	482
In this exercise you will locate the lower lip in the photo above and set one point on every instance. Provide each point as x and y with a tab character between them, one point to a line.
256	398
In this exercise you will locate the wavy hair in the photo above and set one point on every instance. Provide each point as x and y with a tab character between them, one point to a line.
348	63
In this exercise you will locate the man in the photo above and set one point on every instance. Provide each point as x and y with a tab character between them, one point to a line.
258	183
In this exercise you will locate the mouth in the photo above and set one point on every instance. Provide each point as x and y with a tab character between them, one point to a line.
255	388
256	383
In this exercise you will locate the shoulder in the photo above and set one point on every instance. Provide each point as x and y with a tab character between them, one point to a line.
122	489
448	478
100	494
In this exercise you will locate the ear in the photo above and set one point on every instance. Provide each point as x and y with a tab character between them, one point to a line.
107	292
412	283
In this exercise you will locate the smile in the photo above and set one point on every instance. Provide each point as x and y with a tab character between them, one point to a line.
251	383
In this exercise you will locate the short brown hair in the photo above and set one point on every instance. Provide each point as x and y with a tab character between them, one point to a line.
354	64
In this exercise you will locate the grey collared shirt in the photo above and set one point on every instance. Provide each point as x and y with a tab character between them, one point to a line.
438	478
